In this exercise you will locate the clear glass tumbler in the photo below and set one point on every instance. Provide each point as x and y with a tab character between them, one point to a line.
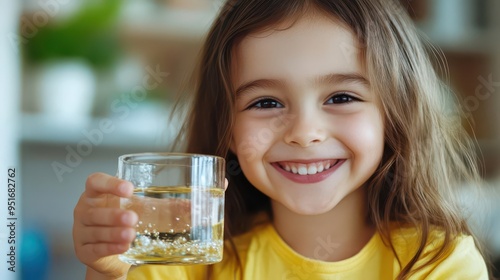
180	202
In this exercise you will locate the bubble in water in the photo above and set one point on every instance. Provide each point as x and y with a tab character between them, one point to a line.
176	242
143	241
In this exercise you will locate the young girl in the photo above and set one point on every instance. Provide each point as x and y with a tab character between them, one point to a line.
342	161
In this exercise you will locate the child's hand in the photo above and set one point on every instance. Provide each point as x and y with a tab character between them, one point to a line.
101	230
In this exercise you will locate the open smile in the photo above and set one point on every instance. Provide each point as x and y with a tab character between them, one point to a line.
308	172
308	168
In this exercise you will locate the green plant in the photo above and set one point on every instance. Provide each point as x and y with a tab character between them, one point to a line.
90	34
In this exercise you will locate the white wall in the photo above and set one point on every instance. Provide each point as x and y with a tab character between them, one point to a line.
9	112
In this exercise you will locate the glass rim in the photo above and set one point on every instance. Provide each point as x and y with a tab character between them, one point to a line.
128	158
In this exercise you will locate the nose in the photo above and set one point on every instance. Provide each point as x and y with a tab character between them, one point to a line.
305	130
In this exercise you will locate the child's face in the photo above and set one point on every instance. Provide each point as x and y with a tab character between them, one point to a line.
309	129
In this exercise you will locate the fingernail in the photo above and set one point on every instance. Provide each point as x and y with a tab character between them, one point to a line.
124	188
129	219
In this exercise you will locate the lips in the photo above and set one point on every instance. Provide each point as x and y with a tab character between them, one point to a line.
306	172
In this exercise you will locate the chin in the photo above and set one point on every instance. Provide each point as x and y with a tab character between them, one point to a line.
310	208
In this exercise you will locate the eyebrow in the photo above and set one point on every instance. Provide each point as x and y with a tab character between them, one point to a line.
334	78
342	78
261	83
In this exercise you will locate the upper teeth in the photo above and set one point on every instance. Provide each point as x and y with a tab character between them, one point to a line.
309	168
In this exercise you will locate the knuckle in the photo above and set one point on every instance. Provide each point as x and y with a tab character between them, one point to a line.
96	249
76	214
89	217
82	253
96	235
93	176
78	208
91	180
78	252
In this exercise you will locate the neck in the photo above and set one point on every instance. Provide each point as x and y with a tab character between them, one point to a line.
332	236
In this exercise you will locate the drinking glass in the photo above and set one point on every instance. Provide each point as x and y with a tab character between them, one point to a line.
179	199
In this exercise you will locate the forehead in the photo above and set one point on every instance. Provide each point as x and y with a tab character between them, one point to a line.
314	44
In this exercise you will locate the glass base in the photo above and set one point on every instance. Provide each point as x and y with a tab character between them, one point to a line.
174	260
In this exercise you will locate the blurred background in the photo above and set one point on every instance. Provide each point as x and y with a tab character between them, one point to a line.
87	81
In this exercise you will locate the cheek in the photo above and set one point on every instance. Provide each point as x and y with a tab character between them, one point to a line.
365	134
251	138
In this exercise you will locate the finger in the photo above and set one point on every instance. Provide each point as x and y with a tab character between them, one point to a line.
226	183
100	183
115	235
109	217
92	252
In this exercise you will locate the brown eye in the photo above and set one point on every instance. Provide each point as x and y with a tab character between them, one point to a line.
266	104
341	98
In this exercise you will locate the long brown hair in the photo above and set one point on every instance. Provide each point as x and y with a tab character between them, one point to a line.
427	152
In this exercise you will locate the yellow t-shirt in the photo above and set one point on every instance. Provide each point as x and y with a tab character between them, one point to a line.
265	255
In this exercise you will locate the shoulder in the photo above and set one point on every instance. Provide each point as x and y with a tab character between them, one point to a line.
462	261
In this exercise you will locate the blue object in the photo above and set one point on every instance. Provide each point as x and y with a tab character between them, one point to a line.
34	254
